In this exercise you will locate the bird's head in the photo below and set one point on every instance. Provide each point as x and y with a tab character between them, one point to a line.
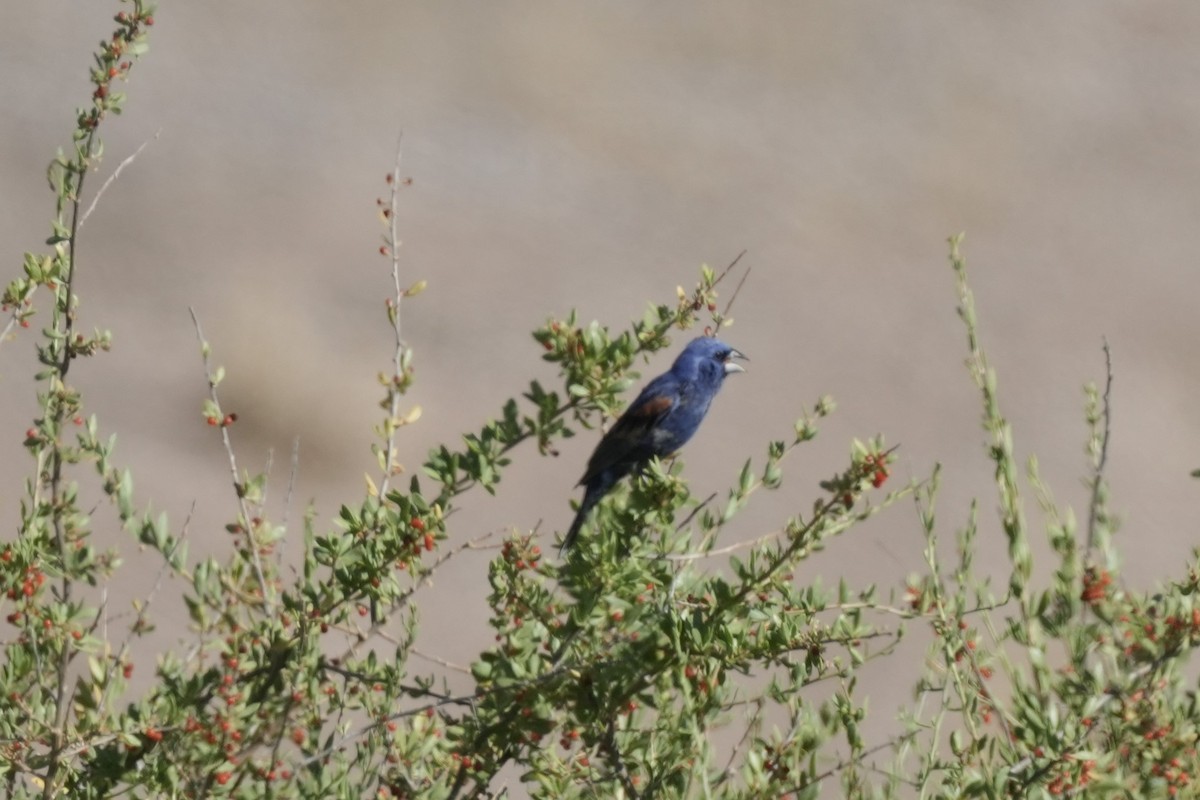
708	358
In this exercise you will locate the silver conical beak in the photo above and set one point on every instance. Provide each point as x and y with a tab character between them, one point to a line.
731	366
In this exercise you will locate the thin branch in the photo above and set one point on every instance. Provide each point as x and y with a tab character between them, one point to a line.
721	551
729	269
376	629
291	487
262	503
736	291
1098	473
439	660
238	488
398	356
829	519
753	725
841	765
695	511
460	700
116	174
364	678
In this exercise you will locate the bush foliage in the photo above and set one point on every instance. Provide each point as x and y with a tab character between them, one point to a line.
647	663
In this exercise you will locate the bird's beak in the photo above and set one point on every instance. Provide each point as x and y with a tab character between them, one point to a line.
730	366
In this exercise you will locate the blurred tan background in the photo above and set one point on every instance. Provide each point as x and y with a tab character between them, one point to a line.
594	156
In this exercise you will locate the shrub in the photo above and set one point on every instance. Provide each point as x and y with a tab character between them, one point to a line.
615	668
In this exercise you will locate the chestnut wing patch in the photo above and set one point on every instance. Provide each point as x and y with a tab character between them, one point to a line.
649	411
626	440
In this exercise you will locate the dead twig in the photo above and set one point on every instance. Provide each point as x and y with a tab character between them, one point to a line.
116	174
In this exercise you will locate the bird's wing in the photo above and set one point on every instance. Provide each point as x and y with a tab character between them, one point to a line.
631	438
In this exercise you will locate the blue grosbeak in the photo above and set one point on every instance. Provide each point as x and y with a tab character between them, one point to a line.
662	418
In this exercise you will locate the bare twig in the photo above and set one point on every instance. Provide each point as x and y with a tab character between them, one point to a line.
439	660
239	489
752	726
695	511
736	291
729	268
291	487
721	551
116	174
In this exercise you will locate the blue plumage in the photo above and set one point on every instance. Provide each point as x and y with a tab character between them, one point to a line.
660	421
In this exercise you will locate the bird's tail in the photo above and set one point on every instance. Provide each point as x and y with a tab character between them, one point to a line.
596	487
591	496
576	524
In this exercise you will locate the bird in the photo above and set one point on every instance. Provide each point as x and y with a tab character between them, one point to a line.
662	418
